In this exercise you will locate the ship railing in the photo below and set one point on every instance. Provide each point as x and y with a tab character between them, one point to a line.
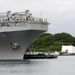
9	22
22	19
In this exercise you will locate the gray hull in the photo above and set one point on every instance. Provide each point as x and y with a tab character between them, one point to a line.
22	38
17	31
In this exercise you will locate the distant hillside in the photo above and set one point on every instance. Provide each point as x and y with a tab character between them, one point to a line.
50	42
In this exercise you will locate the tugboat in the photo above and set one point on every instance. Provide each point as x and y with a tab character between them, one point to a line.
39	55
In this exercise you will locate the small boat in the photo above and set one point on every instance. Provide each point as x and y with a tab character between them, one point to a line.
39	56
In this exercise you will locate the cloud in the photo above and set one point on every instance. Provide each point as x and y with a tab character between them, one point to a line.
61	13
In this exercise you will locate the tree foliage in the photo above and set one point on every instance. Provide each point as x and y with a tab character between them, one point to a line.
50	42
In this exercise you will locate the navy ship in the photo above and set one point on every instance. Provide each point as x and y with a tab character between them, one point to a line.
17	31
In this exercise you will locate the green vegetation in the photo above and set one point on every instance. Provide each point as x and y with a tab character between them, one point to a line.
50	42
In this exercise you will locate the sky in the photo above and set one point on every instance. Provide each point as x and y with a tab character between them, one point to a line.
60	13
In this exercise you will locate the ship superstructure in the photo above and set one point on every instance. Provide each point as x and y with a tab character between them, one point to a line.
17	31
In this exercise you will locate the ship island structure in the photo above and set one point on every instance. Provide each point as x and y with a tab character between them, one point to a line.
17	31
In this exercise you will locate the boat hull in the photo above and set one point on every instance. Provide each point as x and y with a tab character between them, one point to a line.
23	38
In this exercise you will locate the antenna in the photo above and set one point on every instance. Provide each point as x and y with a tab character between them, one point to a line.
40	14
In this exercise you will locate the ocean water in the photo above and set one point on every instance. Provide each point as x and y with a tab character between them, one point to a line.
63	65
